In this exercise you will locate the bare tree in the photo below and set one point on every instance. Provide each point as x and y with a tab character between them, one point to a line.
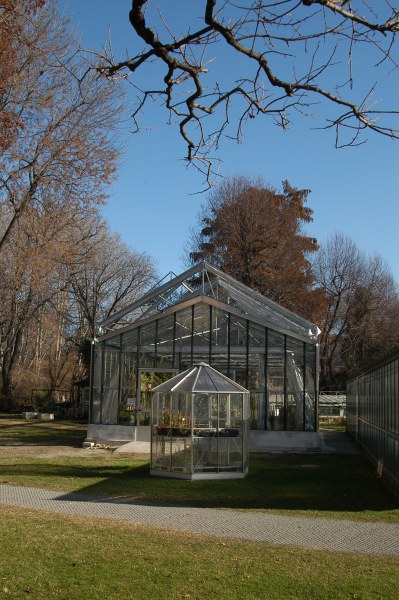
61	274
110	276
60	147
361	303
222	62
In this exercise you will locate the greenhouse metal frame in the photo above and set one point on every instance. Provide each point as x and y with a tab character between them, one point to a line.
203	315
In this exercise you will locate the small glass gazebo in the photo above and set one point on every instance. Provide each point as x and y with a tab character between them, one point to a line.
199	426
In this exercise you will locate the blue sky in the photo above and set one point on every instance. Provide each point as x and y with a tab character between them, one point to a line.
154	202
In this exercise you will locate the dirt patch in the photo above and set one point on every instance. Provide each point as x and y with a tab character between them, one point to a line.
32	451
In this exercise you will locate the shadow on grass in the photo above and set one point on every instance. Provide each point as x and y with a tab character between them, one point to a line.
332	483
308	482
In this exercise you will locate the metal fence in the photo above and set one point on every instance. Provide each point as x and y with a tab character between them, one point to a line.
372	417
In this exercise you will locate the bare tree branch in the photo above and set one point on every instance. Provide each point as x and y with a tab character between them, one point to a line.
290	55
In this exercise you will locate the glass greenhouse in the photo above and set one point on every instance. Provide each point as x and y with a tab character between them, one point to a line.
206	316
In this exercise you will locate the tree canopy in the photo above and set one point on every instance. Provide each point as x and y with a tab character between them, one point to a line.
58	145
60	267
359	322
217	63
255	234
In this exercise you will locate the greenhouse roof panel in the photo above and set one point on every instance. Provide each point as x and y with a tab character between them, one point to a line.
205	280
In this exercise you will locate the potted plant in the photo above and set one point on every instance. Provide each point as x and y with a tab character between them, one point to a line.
172	423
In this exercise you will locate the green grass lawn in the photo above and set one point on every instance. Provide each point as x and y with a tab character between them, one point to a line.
37	432
46	556
73	558
336	486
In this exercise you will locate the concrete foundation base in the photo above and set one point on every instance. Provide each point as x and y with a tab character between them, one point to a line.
259	441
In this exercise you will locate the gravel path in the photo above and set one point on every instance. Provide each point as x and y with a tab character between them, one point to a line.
326	534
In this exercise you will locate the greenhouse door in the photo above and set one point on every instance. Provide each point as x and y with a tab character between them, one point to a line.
147	380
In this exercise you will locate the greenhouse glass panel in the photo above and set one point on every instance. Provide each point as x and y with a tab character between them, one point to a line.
96	406
275	381
238	334
128	401
199	357
201	329
220	362
127	407
310	393
111	368
256	336
129	373
165	334
220	330
295	382
129	341
97	370
165	342
148	345
184	332
238	368
109	412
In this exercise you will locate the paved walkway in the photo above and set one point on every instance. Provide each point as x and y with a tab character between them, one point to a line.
327	534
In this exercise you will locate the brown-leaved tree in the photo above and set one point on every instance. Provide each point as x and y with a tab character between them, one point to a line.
255	234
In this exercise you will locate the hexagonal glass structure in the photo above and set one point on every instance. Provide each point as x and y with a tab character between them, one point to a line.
199	426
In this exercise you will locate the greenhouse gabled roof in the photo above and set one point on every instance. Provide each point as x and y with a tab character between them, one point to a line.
207	281
200	378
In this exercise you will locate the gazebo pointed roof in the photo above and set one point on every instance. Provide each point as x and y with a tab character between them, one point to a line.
200	378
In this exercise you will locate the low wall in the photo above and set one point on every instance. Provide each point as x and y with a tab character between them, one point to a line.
35	415
284	441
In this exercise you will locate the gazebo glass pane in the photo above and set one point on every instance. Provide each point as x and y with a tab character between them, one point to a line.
202	413
275	380
295	372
